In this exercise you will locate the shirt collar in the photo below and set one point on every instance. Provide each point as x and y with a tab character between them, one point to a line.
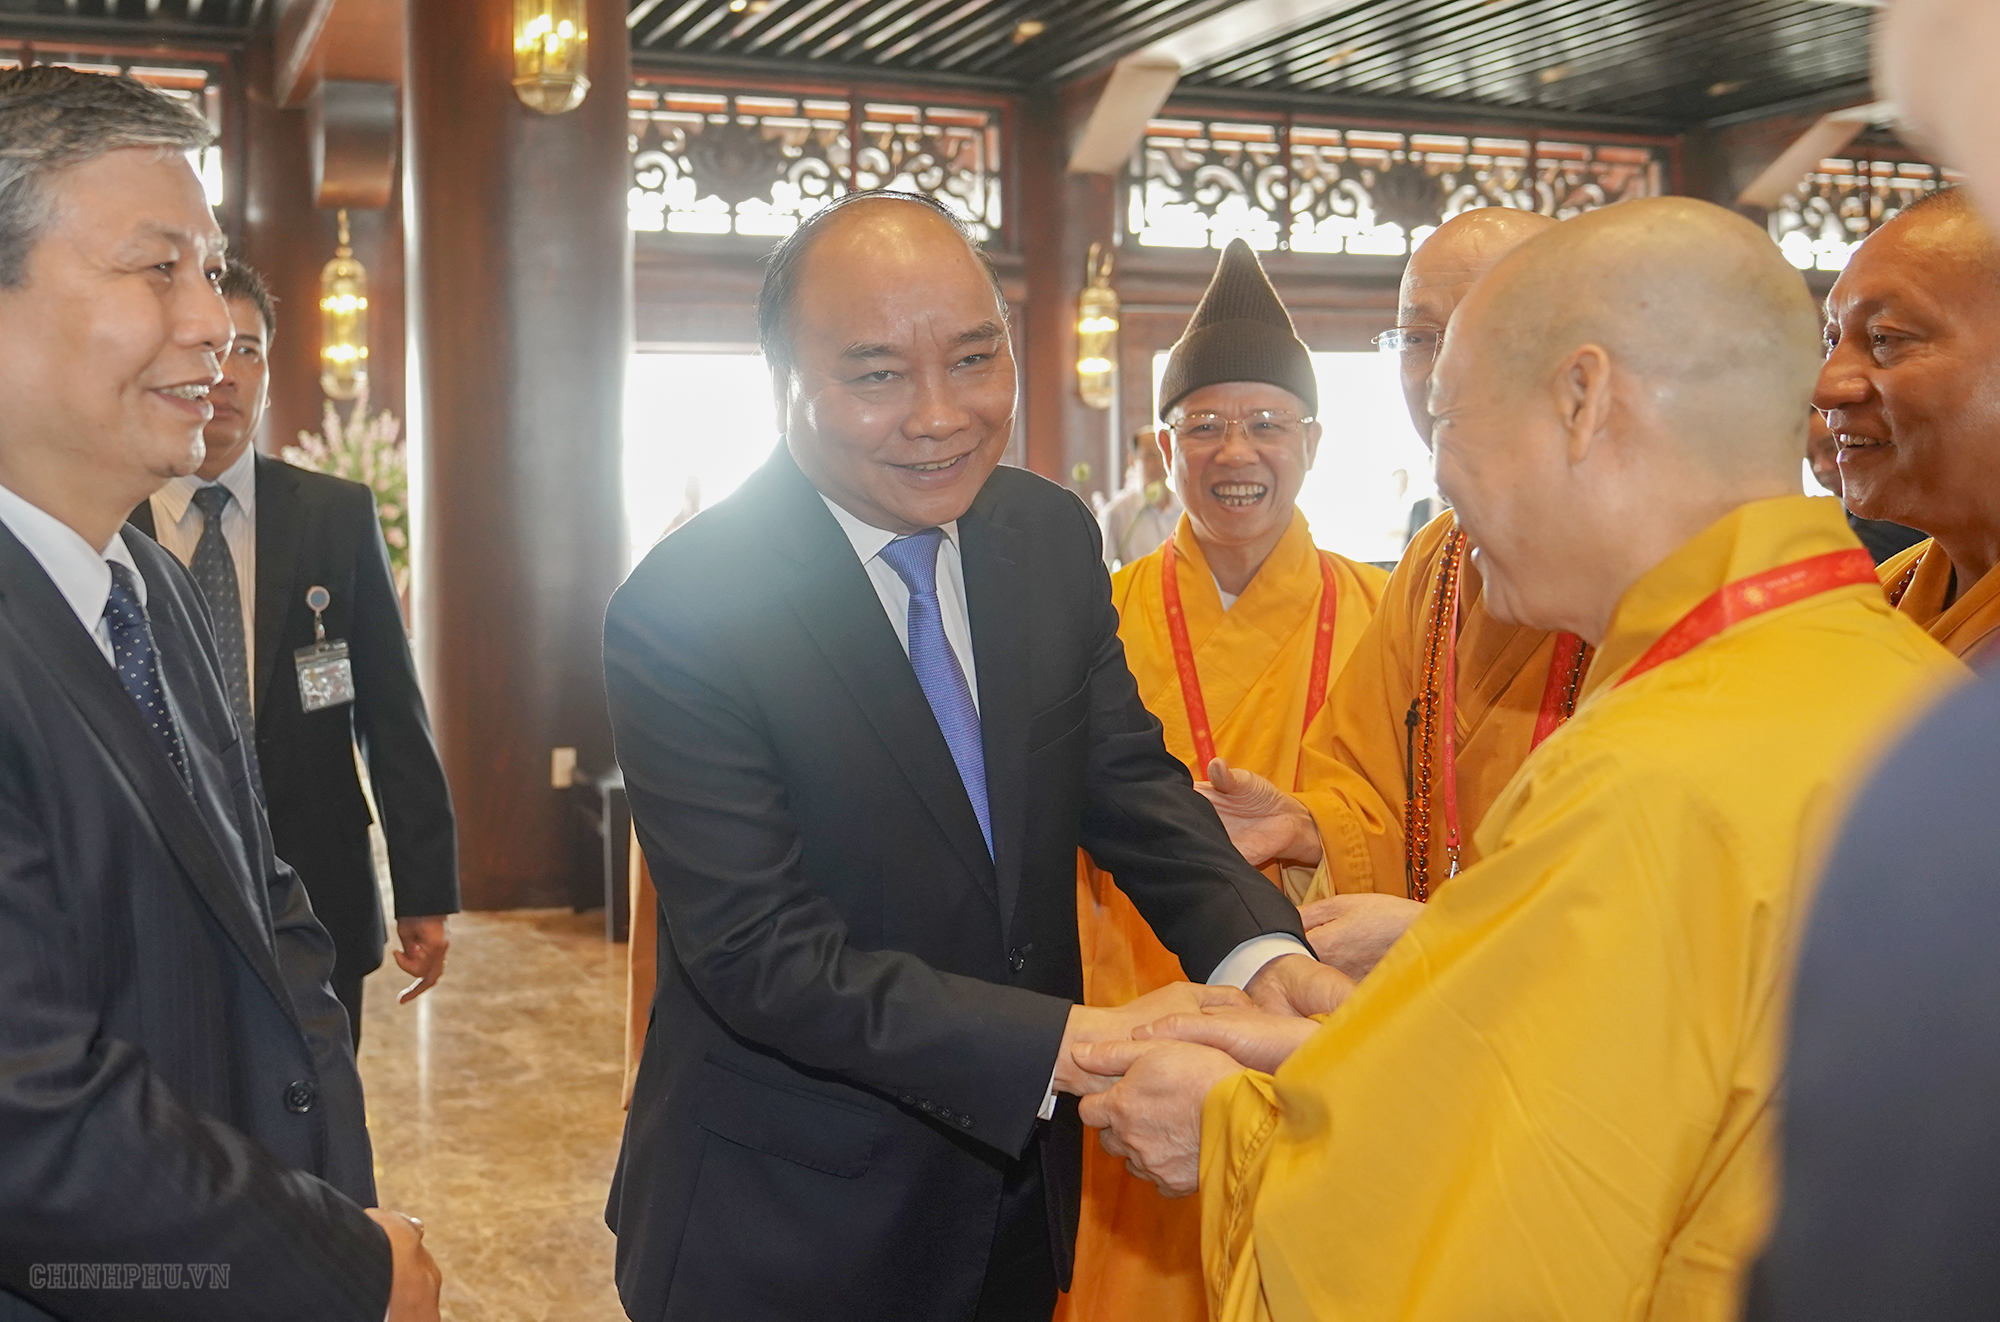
240	477
869	540
81	573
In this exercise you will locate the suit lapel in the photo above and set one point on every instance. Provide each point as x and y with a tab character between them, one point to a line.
72	660
279	519
142	518
838	606
998	610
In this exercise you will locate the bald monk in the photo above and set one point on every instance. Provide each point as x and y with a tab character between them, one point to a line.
1911	389
1264	621
1384	849
1556	1095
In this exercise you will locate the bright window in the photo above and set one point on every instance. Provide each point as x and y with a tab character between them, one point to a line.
696	425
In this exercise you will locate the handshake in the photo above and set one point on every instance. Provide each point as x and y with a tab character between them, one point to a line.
1145	1068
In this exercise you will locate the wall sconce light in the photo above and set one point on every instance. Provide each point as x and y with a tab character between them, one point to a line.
1097	331
551	47
343	322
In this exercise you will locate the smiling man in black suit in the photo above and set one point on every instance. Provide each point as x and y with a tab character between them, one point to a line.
867	709
176	1085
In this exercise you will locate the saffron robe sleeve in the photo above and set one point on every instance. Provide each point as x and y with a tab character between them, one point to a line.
1555	1097
1919	579
1138	1255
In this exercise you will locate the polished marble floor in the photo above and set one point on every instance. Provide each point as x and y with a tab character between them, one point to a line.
494	1105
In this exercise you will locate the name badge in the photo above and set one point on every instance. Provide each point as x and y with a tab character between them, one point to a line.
326	675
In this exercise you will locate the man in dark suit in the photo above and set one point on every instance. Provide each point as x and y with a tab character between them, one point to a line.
867	710
275	535
181	1123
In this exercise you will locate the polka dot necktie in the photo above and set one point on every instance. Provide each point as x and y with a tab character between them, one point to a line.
214	570
138	662
914	558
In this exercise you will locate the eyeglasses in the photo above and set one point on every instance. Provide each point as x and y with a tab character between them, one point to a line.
1263	426
1411	341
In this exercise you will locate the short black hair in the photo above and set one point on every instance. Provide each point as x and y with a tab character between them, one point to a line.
781	269
243	281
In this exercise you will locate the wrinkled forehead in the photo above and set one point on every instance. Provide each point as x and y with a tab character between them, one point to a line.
134	194
1946	267
1235	398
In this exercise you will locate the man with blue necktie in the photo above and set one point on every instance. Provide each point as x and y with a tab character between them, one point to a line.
867	709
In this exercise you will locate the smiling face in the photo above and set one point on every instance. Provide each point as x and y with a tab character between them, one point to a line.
110	344
1911	385
1239	483
239	398
899	397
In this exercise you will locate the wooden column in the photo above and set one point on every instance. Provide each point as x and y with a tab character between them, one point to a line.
288	239
520	287
1062	214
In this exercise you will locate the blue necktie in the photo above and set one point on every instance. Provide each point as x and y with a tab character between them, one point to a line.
914	558
138	662
214	570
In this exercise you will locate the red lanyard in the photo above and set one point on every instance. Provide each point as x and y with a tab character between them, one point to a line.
1732	603
1566	667
1197	709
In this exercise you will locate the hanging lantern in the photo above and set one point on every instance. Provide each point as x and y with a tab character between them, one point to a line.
1097	332
343	322
551	47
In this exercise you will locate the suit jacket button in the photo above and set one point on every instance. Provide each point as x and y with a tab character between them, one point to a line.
1017	958
299	1097
965	1122
909	1100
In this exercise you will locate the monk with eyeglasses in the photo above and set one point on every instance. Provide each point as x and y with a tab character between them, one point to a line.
1235	629
1439	704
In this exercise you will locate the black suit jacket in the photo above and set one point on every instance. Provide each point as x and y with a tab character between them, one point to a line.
176	1084
316	530
858	1008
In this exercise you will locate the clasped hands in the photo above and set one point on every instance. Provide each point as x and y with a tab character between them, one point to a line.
1145	1068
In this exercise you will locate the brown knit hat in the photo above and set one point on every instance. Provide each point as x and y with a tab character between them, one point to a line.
1241	332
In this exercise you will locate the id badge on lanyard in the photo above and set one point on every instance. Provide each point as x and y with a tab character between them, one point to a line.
326	675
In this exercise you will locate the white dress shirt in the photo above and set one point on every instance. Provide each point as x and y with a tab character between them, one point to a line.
177	525
1236	968
81	574
1134	527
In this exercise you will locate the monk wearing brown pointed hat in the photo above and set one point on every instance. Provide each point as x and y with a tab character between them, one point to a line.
1235	629
1440	703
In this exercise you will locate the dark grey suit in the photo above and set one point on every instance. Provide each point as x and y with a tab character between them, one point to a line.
313	529
176	1084
858	1006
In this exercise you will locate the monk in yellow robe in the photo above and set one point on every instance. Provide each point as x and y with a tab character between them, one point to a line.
1556	1096
1911	390
1354	811
1234	630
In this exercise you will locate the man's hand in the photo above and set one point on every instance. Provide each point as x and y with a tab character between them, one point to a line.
1263	821
415	1279
1089	1023
1251	1038
1353	932
422	956
1299	985
1152	1115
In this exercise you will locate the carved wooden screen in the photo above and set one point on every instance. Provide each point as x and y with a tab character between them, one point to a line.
714	162
1307	187
1822	221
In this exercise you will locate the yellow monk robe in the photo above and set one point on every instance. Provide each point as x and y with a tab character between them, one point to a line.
1356	788
1138	1254
1974	616
1555	1097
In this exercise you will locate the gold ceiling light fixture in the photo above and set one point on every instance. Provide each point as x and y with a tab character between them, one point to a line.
343	321
551	48
1097	331
1028	29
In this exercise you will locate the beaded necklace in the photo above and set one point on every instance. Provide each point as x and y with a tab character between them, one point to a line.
1434	717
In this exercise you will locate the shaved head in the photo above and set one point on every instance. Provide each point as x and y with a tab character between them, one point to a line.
1611	387
1911	382
1439	275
